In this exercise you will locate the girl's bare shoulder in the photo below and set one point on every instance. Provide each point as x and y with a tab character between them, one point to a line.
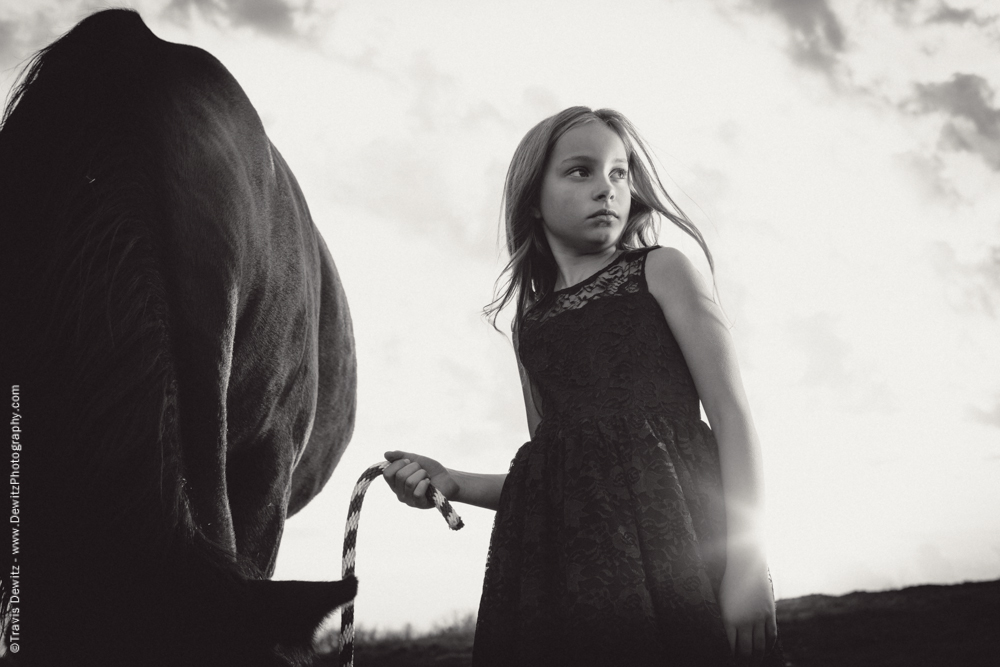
674	280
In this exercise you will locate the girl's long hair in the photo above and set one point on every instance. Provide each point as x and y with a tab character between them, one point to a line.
531	272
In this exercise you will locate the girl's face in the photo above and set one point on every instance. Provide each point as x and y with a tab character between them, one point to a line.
585	198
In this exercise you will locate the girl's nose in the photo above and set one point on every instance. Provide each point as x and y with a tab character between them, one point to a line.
605	191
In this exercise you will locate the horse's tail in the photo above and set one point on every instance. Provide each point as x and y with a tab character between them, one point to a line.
112	561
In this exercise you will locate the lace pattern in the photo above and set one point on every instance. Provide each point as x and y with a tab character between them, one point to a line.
623	274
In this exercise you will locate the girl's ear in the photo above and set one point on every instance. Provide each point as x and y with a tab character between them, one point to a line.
536	213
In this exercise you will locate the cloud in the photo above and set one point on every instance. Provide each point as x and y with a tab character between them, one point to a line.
817	35
277	18
928	172
433	88
948	14
973	124
976	283
833	365
23	31
8	50
827	352
902	10
921	12
988	417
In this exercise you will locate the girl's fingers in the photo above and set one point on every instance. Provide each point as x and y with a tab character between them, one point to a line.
396	465
389	474
404	473
744	644
407	478
731	633
395	474
414	479
759	642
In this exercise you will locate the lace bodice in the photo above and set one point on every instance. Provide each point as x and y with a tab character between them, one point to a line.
618	357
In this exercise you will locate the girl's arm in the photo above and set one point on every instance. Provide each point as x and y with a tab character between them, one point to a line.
700	328
409	474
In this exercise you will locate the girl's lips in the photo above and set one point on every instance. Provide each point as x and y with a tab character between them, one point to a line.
605	215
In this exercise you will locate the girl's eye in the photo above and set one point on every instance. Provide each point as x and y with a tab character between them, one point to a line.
620	173
582	171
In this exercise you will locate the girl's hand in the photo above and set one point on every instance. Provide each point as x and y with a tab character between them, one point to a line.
747	605
408	475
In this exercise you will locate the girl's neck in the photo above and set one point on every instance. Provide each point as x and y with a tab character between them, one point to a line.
574	267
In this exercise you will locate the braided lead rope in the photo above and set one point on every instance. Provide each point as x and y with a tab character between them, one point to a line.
351	539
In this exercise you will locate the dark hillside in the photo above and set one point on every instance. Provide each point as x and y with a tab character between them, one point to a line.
921	626
917	626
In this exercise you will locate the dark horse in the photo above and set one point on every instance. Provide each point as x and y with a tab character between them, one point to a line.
180	353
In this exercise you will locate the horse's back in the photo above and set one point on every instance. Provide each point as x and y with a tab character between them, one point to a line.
260	309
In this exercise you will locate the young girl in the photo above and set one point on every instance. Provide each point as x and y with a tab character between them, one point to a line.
627	530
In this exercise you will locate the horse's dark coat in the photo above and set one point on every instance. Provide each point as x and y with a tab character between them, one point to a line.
184	354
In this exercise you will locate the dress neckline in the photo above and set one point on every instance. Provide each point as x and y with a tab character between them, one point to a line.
594	275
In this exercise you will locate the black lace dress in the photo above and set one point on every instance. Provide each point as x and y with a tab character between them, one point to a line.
609	541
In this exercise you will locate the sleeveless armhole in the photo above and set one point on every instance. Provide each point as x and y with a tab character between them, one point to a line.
643	284
527	385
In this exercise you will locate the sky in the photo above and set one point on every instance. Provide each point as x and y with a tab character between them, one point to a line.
842	158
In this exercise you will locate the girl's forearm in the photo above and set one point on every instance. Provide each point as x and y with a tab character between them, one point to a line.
481	490
742	481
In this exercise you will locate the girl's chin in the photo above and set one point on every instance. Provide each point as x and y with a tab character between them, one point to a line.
605	237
